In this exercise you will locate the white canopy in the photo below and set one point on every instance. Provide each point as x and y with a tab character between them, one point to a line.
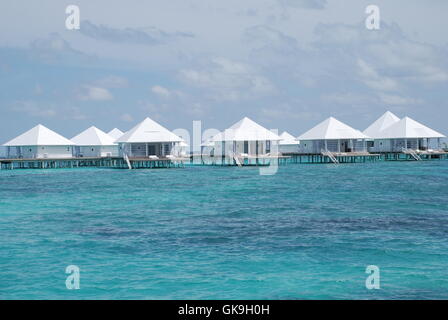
148	131
288	139
385	121
115	133
39	136
93	137
332	129
409	128
245	130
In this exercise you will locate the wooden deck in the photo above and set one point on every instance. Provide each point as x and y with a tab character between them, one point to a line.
108	162
246	160
341	157
238	160
361	157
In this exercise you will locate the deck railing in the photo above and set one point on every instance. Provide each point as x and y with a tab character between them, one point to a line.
329	155
412	153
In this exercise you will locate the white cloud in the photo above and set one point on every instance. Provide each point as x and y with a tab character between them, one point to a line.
346	98
398	100
411	60
144	36
306	4
35	109
31	108
92	93
373	80
54	49
161	91
227	80
283	111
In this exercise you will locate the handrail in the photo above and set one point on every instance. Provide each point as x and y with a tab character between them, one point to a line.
329	155
412	153
126	158
237	161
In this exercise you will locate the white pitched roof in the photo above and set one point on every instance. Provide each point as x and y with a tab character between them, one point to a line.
93	137
385	121
409	128
288	139
245	130
332	129
148	131
39	136
115	133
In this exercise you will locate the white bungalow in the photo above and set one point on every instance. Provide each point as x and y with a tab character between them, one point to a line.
288	144
405	134
115	133
245	138
149	139
334	136
39	143
386	120
374	131
94	143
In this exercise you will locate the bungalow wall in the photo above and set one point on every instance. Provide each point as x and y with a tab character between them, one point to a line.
288	148
397	145
96	151
346	145
244	147
143	150
40	152
3	152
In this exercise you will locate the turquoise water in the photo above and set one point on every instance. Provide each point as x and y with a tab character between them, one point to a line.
307	232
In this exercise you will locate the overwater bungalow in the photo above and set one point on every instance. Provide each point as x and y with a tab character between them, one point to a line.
94	143
377	127
39	143
374	131
404	135
246	138
149	139
288	144
115	133
332	135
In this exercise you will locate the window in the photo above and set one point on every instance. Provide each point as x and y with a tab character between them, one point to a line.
246	147
166	148
268	146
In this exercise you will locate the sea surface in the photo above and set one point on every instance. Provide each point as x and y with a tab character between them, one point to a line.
308	232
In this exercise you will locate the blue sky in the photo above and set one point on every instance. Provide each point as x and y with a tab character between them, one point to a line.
287	64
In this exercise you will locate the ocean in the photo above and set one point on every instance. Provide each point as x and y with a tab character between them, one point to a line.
308	232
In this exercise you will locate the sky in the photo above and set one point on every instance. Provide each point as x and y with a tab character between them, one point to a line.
287	64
